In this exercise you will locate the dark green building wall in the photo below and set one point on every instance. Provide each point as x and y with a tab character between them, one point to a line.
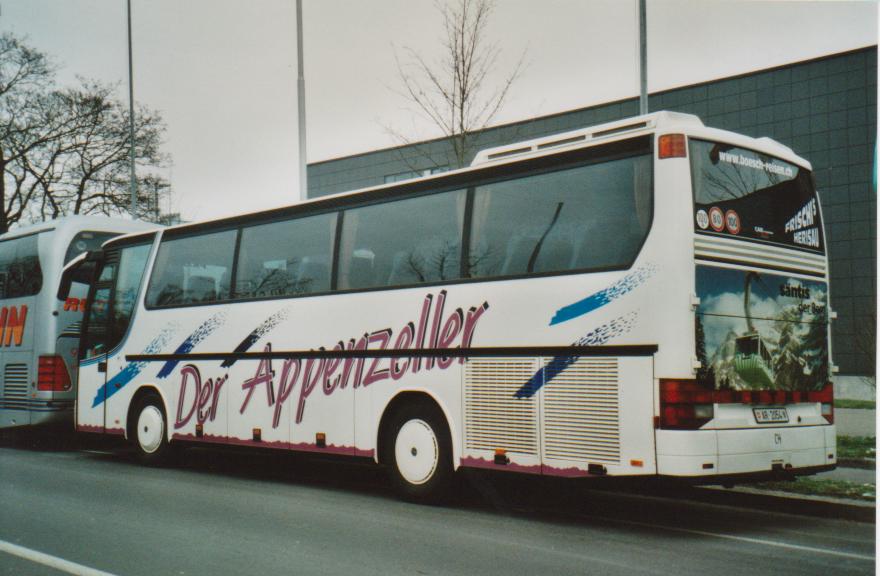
825	109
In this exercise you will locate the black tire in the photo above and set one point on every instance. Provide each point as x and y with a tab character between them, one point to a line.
418	452
149	431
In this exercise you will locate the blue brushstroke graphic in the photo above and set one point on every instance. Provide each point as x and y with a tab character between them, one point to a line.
598	299
131	369
555	367
257	333
200	333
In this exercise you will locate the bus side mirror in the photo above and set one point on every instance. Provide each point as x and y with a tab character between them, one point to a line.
81	269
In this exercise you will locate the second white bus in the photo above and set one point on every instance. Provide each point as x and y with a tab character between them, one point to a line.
39	333
644	297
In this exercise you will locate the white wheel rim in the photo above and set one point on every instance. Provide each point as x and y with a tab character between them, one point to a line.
416	451
150	429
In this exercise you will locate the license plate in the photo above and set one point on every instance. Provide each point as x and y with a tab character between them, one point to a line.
770	415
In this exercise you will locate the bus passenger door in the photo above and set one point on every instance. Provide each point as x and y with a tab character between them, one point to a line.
92	374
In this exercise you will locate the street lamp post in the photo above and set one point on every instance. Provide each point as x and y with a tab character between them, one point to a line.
133	178
301	104
643	57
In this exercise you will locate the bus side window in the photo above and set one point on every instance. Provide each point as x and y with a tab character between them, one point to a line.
385	245
286	258
177	280
589	217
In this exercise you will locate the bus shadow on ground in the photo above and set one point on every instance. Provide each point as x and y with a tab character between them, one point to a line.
633	502
39	439
637	504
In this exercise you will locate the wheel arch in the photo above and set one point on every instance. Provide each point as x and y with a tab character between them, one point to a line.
406	398
145	390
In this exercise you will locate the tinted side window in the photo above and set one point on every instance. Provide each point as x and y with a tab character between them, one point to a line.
286	258
193	269
20	273
589	217
403	242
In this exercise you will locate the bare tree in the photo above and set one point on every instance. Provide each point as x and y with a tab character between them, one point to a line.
66	151
455	92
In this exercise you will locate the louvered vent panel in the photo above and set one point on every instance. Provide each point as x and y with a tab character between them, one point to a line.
72	329
764	255
494	418
15	385
581	412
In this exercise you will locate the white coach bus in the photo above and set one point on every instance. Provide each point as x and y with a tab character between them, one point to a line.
38	332
645	297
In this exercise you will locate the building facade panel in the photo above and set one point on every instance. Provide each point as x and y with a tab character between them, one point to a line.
824	109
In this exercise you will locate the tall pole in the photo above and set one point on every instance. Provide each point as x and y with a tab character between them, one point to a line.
643	57
133	179
301	104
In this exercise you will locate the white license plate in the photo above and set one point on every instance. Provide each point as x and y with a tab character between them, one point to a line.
770	415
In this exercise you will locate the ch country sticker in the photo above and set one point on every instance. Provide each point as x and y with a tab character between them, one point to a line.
12	324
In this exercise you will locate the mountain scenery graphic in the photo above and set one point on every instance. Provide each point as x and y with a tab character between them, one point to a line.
761	331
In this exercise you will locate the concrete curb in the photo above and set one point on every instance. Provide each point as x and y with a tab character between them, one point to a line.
789	503
856	463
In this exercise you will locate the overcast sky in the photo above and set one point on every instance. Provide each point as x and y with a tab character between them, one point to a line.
223	72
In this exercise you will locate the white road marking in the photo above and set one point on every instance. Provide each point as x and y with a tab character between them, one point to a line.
50	561
760	541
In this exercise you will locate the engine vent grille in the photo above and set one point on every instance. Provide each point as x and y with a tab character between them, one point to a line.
763	255
494	418
15	386
581	412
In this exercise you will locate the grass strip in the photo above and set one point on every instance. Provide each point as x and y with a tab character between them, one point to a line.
847	403
857	447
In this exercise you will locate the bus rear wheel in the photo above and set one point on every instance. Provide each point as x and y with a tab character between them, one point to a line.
149	434
419	452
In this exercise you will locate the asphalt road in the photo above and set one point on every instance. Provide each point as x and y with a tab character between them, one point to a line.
246	513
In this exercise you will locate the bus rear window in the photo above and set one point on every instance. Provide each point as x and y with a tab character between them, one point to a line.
740	192
20	273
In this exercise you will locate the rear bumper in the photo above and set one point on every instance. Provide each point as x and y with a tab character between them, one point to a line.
749	477
38	413
761	451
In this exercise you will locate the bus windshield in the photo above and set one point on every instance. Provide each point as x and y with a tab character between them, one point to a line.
86	240
20	273
740	192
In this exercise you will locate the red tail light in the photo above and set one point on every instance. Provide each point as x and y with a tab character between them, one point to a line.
52	375
826	397
687	405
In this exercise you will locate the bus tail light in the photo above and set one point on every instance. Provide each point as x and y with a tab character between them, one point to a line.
52	375
685	404
672	146
826	397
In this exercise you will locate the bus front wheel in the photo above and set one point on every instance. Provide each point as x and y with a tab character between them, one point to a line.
149	433
420	453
